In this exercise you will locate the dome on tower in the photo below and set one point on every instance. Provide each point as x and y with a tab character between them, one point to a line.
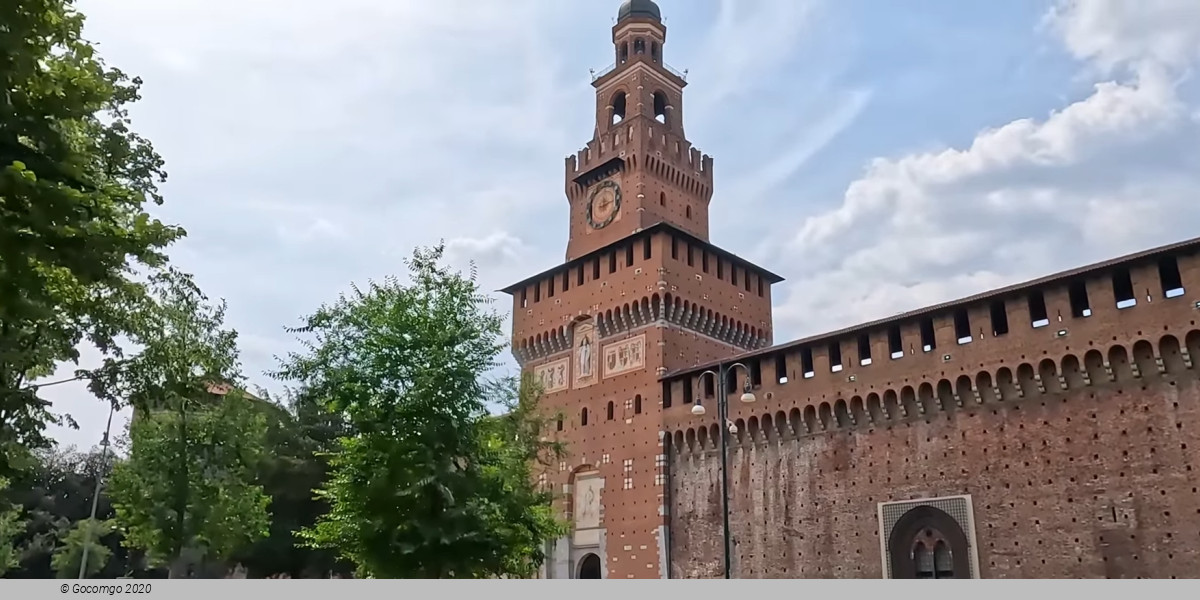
639	9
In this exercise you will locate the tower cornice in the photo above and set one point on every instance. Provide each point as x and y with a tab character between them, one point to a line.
661	226
611	72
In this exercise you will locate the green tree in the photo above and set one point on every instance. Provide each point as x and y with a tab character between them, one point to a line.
11	527
300	434
56	494
186	494
519	447
421	484
187	490
88	533
74	184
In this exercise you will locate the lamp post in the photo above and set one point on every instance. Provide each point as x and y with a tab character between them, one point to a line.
87	535
727	427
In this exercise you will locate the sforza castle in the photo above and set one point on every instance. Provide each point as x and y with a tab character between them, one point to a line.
1045	430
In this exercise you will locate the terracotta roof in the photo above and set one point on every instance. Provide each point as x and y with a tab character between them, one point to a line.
1012	290
655	228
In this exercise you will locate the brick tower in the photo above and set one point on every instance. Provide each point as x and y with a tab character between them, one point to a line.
642	292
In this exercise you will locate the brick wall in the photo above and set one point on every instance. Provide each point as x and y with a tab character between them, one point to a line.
1067	408
1096	476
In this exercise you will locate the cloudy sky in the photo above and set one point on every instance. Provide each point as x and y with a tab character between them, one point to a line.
881	156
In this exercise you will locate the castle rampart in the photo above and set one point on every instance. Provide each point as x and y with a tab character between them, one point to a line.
1063	416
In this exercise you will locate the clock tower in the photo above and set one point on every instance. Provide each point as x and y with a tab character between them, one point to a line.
642	293
638	169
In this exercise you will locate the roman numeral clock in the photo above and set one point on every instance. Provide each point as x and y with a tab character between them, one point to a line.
604	204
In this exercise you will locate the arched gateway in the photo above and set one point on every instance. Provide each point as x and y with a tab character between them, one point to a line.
927	543
589	567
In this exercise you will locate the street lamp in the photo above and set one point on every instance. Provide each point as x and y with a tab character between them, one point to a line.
727	428
91	524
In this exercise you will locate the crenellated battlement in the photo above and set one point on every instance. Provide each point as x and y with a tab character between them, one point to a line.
971	348
652	138
1169	358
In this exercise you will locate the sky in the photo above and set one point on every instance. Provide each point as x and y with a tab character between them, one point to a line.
880	156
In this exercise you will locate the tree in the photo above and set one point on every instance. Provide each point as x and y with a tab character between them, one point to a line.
300	434
56	495
74	183
88	533
187	490
420	484
518	444
11	526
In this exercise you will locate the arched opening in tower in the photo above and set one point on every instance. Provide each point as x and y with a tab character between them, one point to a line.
660	107
589	567
619	106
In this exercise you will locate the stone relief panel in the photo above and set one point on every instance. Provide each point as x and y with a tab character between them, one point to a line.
587	490
625	356
587	501
585	354
554	376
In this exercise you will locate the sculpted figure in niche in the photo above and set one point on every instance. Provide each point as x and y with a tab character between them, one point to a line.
585	355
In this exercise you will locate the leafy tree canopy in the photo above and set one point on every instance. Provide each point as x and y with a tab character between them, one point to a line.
11	526
300	435
425	483
188	485
74	184
195	440
88	533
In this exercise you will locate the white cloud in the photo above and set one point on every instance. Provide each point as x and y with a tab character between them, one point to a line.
1113	172
1116	33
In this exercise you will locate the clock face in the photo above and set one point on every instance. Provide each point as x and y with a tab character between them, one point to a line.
604	204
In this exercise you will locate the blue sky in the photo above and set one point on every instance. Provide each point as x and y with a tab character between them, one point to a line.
879	155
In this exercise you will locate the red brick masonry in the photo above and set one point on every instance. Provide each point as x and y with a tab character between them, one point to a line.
1077	440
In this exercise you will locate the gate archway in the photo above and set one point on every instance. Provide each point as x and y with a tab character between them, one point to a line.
589	567
927	543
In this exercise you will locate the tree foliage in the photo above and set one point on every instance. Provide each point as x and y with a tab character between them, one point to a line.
90	534
11	526
188	485
195	440
56	495
300	434
519	445
424	483
74	184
